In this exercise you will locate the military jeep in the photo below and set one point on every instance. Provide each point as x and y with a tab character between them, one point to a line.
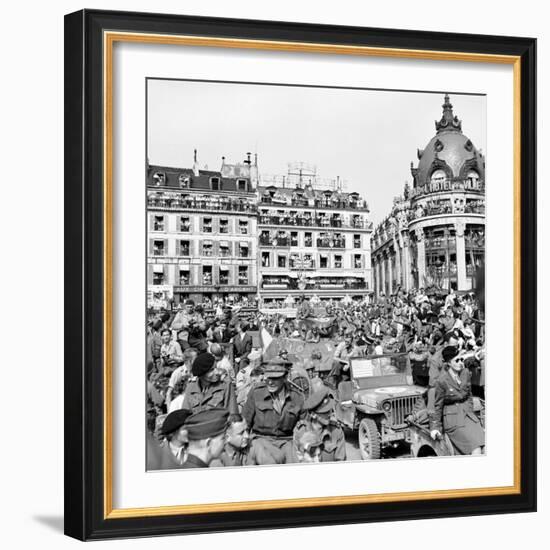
376	401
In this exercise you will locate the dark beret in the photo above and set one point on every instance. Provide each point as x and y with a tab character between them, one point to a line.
174	421
208	423
449	352
202	364
157	323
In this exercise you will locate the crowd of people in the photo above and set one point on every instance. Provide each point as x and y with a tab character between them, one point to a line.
216	397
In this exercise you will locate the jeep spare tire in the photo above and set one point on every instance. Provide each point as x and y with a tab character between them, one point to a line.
369	440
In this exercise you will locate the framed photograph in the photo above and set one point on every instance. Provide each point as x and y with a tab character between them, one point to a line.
300	261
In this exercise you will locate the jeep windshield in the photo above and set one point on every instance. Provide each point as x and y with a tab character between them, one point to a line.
375	371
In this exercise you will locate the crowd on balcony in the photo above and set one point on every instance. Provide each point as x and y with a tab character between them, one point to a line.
201	202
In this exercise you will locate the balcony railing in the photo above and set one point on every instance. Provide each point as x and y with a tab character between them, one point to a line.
213	204
274	241
300	221
301	265
331	243
316	203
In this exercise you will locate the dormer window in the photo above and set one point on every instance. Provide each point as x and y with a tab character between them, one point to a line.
215	184
184	181
159	178
241	185
438	176
473	178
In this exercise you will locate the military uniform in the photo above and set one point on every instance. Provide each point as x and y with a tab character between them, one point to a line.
220	394
193	462
272	418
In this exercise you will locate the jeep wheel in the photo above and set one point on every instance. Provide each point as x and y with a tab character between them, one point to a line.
369	440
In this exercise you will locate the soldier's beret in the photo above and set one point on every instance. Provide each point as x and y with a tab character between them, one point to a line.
205	424
174	421
202	364
276	367
320	401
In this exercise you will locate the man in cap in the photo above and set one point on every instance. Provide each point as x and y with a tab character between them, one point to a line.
271	411
206	389
206	435
242	342
174	446
184	317
319	419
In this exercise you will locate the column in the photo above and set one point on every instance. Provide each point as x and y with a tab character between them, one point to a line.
390	274
406	267
421	256
462	281
383	272
398	269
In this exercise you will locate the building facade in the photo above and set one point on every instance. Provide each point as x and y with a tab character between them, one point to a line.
435	232
312	241
202	233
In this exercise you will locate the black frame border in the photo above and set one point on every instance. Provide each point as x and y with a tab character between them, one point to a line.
84	253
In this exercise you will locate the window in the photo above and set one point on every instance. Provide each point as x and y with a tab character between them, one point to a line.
184	248
356	221
241	185
184	276
184	181
323	263
472	178
215	184
243	227
224	276
265	259
338	262
207	225
159	178
357	241
308	239
207	249
308	261
224	250
438	176
243	275
281	261
206	274
158	248
158	223
224	226
243	250
158	278
357	263
185	224
293	238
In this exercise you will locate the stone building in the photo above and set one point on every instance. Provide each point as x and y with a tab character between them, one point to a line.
312	241
202	233
435	233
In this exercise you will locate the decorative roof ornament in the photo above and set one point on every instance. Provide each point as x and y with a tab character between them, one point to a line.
448	122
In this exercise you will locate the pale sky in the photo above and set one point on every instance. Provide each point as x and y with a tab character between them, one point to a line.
367	137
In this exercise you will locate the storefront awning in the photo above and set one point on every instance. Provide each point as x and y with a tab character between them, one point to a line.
158	268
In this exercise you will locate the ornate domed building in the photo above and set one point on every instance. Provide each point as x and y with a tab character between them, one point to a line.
435	234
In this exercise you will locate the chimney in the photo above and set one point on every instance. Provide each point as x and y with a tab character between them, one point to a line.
248	161
195	164
256	159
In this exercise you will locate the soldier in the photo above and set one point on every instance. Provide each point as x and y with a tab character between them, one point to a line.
319	418
272	410
237	440
174	445
206	390
206	435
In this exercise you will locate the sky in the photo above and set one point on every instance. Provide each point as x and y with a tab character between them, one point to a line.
366	137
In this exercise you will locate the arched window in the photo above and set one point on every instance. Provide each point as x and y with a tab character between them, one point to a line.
438	176
472	178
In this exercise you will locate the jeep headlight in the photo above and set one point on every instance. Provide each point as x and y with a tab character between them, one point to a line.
386	406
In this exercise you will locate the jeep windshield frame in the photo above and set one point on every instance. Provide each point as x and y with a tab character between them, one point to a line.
378	371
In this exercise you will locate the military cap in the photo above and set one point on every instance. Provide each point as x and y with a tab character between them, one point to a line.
320	401
174	421
276	368
205	424
202	364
